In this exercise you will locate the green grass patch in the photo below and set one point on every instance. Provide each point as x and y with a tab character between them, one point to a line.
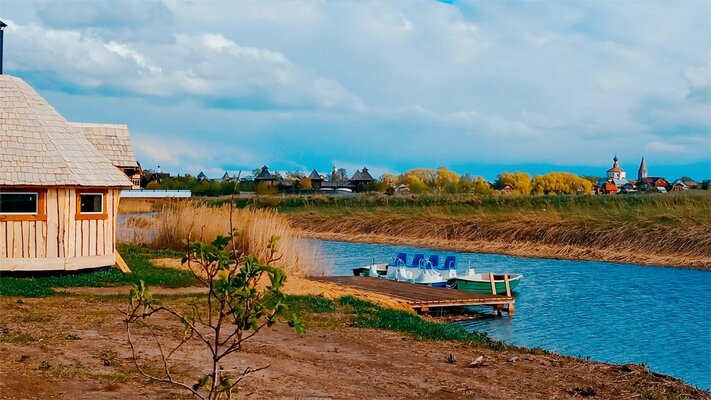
137	259
370	315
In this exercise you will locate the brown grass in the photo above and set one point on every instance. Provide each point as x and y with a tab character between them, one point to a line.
527	234
133	206
184	220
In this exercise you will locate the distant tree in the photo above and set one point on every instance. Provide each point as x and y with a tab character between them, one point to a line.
201	188
264	189
341	174
294	175
421	178
686	178
591	179
519	181
466	183
560	183
483	188
255	172
705	185
446	179
389	179
305	183
153	185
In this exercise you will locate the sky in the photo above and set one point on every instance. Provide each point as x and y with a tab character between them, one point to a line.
478	86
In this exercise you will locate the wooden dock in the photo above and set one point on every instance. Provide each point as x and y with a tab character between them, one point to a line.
422	298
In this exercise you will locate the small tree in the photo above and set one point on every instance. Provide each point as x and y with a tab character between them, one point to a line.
235	310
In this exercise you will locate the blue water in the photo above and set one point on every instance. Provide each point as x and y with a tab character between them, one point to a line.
616	313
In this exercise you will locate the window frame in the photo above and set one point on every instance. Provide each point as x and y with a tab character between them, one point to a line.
41	207
91	215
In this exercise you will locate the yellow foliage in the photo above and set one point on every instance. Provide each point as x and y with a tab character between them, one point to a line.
561	183
305	183
389	179
446	177
519	181
153	185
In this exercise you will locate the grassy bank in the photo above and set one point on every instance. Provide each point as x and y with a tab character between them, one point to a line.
40	285
671	229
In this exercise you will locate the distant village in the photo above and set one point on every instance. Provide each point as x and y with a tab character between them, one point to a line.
338	182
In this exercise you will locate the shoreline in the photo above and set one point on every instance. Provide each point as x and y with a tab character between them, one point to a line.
76	364
523	250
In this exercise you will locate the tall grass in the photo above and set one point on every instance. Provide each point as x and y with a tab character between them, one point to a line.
649	229
255	228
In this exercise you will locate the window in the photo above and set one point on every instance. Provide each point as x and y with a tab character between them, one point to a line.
91	203
19	203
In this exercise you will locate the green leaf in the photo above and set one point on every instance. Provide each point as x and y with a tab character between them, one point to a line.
297	325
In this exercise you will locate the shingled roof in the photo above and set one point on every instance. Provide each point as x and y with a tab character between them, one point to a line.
113	141
38	147
315	176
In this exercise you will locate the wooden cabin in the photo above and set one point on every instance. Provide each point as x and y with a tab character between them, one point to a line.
58	194
114	142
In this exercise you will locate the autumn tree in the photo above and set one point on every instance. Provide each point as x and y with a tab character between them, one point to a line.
446	179
153	185
560	183
520	182
305	183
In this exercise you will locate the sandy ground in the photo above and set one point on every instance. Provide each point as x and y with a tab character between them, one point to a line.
74	347
300	286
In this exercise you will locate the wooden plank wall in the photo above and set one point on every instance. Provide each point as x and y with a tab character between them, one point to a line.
61	235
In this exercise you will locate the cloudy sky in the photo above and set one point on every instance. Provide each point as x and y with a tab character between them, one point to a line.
478	86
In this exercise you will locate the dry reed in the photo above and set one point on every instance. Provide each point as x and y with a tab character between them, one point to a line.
130	205
184	220
527	234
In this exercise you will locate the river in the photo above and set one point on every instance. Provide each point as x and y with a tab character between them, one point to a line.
618	313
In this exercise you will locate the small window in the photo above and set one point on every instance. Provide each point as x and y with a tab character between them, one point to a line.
91	203
18	203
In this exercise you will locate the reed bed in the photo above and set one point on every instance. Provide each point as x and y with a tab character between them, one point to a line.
672	231
255	228
137	205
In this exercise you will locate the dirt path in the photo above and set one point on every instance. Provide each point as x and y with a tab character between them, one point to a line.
73	347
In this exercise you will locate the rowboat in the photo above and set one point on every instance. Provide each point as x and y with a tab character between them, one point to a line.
481	283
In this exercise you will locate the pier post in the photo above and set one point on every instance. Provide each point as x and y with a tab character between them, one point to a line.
493	284
510	309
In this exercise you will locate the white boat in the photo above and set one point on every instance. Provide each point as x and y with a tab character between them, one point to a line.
426	271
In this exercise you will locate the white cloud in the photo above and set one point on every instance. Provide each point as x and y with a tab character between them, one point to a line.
389	83
206	65
665	148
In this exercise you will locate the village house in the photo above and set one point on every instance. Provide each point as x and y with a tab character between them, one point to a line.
59	194
679	186
316	180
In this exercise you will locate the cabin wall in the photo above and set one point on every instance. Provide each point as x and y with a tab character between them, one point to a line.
61	242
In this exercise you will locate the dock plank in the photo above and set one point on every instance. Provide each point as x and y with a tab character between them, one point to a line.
417	295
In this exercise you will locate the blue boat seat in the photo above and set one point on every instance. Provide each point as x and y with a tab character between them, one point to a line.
417	261
433	262
450	263
399	260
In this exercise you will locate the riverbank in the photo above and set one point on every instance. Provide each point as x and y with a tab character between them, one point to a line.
342	355
672	231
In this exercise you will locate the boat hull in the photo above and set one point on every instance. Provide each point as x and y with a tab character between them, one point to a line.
485	286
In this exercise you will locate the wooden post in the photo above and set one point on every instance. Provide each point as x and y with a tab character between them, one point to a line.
493	284
122	264
508	287
511	309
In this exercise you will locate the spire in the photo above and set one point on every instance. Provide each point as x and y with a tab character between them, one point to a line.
642	172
